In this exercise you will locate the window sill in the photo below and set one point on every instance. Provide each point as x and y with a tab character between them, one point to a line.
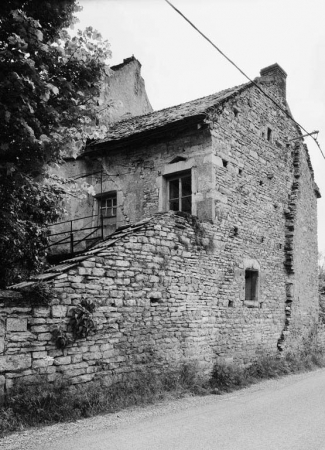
252	303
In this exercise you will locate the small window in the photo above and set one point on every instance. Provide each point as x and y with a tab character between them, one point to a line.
251	284
269	134
108	205
180	193
224	163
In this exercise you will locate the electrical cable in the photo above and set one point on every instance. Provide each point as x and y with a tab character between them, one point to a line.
244	74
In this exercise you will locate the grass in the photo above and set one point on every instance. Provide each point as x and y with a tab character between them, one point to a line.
45	404
229	377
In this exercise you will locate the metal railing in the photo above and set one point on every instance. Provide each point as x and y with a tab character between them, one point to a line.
71	236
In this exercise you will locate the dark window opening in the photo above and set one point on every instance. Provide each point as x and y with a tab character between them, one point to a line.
180	193
108	205
261	183
230	304
236	112
251	284
224	163
240	171
269	134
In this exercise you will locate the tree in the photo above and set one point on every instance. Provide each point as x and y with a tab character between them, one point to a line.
49	84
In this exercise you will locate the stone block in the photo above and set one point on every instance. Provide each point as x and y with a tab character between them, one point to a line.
87	264
37	363
62	360
122	263
91	356
16	324
40	328
39	355
41	312
82	378
98	272
44	337
59	311
12	363
23	337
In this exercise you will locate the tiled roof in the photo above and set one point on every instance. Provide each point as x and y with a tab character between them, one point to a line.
139	124
97	249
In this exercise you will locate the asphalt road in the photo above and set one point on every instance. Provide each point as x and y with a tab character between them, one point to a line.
276	415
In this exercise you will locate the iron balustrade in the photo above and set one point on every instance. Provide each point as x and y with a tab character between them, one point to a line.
70	234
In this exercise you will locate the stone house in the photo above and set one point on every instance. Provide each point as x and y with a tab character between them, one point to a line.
214	253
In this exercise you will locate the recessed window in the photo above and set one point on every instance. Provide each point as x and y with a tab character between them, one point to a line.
108	205
224	163
236	112
269	134
251	284
180	192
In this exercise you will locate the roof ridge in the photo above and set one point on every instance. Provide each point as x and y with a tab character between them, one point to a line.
159	118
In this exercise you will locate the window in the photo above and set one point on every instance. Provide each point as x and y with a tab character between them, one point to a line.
251	284
236	111
180	192
269	134
108	205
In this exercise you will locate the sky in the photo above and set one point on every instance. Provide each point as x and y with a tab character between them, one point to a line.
178	65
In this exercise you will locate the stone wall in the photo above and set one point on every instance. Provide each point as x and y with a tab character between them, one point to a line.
173	288
162	297
165	293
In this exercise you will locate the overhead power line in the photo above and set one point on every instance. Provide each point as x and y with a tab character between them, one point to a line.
246	76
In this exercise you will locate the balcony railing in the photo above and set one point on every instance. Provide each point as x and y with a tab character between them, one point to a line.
75	235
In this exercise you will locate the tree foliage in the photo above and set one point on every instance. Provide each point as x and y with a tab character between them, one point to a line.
49	85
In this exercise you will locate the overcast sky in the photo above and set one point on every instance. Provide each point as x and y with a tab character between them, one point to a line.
178	65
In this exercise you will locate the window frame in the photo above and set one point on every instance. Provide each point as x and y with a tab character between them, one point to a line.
251	285
109	196
179	176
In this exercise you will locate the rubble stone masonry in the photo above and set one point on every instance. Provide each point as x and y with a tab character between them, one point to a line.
174	288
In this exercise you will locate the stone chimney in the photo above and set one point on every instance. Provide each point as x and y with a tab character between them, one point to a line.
275	75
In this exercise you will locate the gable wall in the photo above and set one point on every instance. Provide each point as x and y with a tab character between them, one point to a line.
272	203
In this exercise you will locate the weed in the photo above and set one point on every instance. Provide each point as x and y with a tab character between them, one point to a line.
61	337
82	321
38	294
229	377
45	403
